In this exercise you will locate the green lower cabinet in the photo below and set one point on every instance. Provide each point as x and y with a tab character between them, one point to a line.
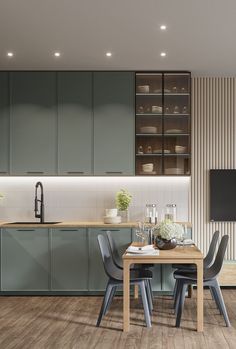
69	259
25	260
168	280
97	276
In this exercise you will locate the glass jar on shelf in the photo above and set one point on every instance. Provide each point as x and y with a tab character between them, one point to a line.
170	212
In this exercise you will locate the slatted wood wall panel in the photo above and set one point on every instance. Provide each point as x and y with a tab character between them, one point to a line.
213	147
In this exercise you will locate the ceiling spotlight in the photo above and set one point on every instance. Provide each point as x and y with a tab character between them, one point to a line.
163	54
163	27
57	54
10	54
108	54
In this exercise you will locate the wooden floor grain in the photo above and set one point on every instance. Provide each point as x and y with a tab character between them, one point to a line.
69	323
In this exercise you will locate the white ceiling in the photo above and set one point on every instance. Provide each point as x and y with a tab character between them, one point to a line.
200	35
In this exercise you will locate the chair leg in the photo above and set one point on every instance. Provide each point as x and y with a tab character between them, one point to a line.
150	286
112	294
180	307
221	302
145	304
211	291
177	294
149	297
215	298
174	290
104	303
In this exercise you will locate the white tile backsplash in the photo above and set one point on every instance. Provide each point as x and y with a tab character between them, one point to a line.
85	198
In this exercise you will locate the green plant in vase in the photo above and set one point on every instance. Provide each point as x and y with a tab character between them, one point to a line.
123	200
167	233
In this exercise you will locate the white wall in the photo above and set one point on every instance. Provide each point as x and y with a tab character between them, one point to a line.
85	198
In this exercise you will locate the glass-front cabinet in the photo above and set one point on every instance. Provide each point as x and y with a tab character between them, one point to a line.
163	108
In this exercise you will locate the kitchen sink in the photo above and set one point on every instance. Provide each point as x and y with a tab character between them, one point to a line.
33	223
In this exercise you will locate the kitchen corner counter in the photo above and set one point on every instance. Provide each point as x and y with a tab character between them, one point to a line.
70	224
75	224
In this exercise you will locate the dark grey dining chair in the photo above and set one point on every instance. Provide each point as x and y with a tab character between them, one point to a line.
119	263
210	274
115	279
207	262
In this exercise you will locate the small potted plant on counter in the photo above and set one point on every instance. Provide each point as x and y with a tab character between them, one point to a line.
123	200
167	233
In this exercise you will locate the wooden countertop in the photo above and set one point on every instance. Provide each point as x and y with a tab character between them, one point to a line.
76	224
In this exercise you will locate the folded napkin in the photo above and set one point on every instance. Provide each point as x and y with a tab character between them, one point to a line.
146	248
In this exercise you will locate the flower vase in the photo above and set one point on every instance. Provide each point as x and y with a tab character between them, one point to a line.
124	216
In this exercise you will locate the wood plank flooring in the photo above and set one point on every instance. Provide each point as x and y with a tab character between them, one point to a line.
69	323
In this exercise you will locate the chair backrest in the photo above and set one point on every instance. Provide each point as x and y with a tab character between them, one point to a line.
214	270
114	251
110	268
208	260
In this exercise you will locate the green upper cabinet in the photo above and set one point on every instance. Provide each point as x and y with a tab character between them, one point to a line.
114	120
4	124
75	123
33	123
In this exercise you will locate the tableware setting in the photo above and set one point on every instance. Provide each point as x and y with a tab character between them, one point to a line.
144	250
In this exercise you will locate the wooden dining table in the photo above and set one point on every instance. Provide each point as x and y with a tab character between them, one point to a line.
179	255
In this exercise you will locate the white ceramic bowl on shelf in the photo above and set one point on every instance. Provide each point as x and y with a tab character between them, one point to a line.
179	149
111	212
156	109
148	129
147	167
143	89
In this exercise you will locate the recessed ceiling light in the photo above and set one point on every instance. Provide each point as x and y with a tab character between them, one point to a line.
108	54
57	54
10	54
163	54
163	27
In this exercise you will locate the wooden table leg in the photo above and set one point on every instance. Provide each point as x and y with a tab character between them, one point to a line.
126	295
136	291
200	296
190	291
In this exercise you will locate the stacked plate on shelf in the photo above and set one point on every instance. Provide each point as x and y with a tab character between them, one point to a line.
174	171
148	129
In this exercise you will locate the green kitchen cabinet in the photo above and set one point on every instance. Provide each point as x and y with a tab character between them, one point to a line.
114	123
97	276
4	124
33	123
25	259
69	253
75	123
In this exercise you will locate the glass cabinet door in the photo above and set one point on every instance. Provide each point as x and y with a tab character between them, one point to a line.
149	125
163	124
176	124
